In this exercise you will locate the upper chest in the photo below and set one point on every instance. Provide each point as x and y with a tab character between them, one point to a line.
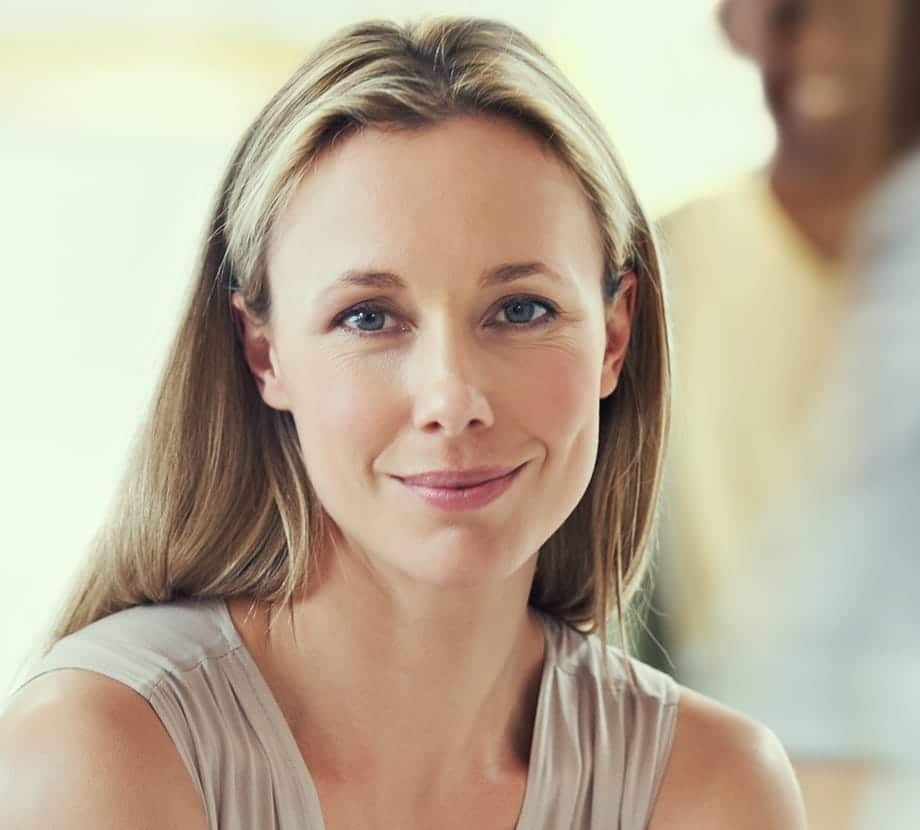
382	805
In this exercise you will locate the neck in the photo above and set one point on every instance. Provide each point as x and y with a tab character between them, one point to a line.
826	223
367	662
823	205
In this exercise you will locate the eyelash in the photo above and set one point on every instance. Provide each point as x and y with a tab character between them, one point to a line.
551	313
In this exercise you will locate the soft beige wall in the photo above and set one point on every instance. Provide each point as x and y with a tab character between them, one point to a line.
114	128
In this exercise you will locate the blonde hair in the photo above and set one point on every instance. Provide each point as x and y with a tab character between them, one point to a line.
216	501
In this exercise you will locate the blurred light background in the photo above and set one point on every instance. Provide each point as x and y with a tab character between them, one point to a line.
116	120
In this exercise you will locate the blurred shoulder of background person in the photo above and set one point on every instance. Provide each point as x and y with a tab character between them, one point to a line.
855	624
754	310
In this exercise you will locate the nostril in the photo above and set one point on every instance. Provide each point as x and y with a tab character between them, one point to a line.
451	408
445	425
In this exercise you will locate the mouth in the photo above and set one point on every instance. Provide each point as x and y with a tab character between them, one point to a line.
461	490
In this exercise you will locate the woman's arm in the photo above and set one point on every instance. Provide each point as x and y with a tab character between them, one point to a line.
79	751
726	771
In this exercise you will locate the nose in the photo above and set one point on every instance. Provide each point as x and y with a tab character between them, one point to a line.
449	395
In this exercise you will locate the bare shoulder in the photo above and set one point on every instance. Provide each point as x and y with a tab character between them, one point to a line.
726	771
79	750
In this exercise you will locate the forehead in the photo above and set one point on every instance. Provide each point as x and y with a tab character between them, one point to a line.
859	25
463	193
760	26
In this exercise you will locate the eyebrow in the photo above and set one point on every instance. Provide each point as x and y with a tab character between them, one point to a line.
368	279
511	271
500	275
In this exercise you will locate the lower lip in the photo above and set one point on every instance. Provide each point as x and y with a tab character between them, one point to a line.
456	500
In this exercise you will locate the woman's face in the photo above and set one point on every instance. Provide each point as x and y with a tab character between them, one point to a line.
437	309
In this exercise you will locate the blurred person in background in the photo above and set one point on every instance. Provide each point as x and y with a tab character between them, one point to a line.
792	533
859	538
756	288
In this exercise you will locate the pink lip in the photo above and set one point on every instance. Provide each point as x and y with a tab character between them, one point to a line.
457	490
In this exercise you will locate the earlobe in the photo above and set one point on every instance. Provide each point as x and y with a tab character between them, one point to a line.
260	355
619	318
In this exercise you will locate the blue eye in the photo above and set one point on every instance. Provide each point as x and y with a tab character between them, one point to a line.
524	311
364	319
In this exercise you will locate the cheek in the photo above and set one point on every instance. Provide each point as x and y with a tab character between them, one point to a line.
561	398
561	411
343	409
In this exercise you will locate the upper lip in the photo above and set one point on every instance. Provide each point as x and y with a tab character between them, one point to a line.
458	478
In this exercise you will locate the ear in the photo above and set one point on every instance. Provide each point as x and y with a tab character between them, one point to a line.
619	317
745	25
260	354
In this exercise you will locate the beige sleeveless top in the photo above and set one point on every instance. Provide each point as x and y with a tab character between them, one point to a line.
598	754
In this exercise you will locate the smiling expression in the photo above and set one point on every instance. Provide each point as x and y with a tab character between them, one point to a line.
439	335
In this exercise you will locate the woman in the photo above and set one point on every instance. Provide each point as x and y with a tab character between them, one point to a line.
405	451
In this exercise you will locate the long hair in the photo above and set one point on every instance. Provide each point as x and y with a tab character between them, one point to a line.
216	501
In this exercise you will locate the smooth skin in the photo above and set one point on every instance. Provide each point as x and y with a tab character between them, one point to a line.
486	342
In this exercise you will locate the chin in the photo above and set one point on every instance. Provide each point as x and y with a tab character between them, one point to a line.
463	562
